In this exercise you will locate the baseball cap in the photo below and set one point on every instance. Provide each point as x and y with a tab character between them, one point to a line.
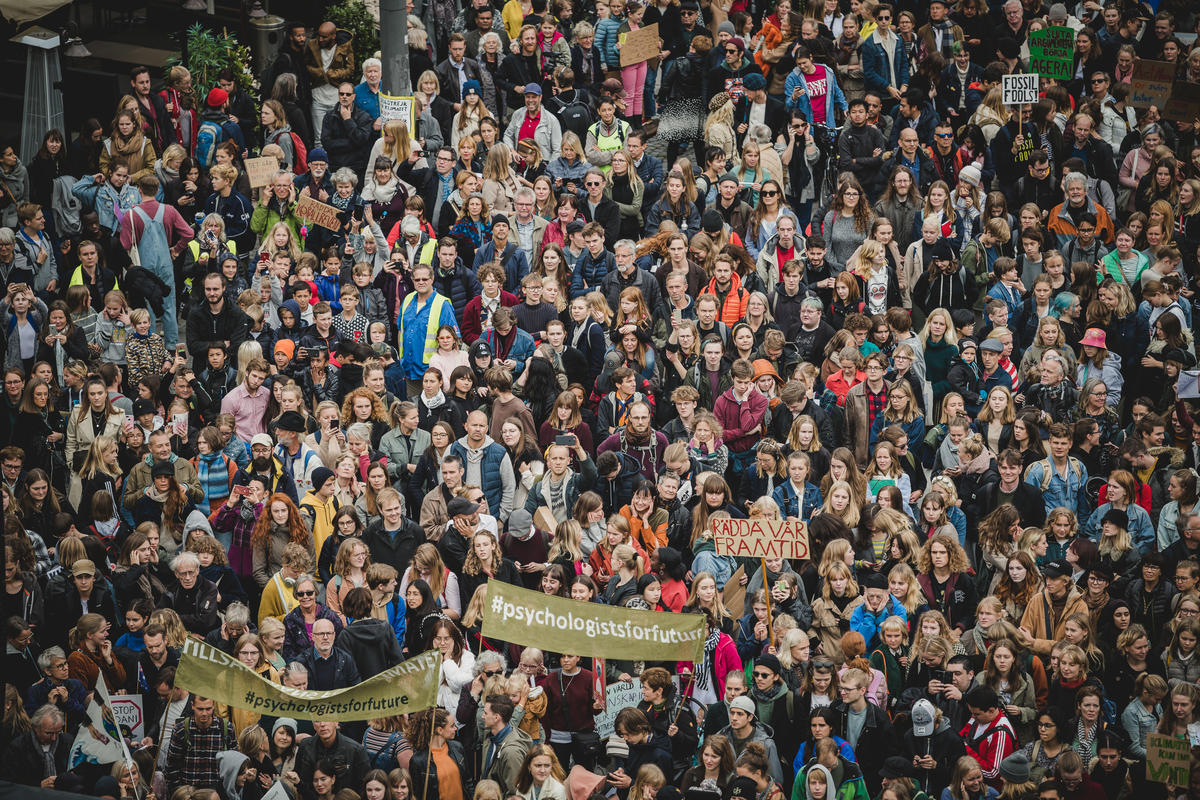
923	715
263	439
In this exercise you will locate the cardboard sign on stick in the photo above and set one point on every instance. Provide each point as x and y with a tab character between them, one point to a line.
760	538
640	45
318	213
1019	90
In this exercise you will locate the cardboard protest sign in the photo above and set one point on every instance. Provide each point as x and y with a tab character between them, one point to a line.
409	686
129	713
1151	84
760	538
1187	387
617	696
260	170
1184	104
1051	52
640	45
1019	90
1168	760
318	213
560	624
399	107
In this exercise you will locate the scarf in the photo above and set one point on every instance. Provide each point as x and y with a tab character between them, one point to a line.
705	674
435	402
131	146
213	474
1095	606
943	28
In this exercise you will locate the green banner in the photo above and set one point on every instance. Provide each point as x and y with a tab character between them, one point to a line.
409	686
563	625
1051	53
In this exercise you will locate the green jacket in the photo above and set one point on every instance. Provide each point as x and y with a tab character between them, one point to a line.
974	260
846	774
1110	266
264	218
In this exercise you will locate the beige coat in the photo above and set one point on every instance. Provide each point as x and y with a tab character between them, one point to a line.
79	440
827	622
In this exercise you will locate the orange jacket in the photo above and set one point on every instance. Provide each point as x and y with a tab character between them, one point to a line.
733	308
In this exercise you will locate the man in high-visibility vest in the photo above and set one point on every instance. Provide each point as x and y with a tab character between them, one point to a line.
422	313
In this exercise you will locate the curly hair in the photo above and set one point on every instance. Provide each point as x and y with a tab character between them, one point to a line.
378	412
958	558
297	530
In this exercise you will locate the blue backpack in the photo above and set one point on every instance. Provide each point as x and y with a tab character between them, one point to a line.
208	137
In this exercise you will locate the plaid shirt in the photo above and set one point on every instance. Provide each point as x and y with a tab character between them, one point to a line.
875	403
192	754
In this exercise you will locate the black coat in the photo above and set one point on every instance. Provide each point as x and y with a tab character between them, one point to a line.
395	550
23	759
371	644
1028	501
347	141
203	328
345	669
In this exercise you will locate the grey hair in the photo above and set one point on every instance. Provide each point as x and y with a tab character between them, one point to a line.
489	36
7	236
214	219
627	244
1056	358
294	668
372	62
49	656
811	302
360	431
344	175
183	559
47	712
304	577
487	659
525	193
1075	177
237	615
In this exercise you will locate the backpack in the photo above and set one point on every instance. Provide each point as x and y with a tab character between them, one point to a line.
577	118
208	137
301	165
66	207
1048	470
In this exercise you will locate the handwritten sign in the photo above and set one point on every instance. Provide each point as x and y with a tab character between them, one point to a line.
1051	52
617	696
640	45
1168	760
318	213
1151	84
1184	104
399	107
760	538
128	712
1019	90
261	170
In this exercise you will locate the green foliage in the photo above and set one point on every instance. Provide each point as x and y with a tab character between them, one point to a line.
208	53
354	18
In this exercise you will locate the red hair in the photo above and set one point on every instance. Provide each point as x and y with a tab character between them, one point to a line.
298	531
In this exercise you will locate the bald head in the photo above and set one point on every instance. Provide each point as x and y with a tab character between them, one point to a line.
322	633
477	427
326	35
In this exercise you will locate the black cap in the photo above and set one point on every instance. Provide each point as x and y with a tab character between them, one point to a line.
741	788
1058	568
1117	517
895	766
141	407
875	580
162	469
942	251
967	342
711	222
575	226
498	218
458	506
291	421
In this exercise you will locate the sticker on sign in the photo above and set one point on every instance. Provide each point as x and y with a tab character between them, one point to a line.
1017	90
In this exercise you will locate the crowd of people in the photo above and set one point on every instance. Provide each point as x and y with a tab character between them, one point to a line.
952	338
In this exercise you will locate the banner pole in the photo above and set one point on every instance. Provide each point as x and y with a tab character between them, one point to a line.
767	592
429	765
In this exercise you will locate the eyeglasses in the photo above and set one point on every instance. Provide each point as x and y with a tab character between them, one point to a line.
822	664
248	652
444	158
1046	724
309	593
59	665
882	18
1099	80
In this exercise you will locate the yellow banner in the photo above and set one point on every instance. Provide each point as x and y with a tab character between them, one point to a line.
407	687
562	625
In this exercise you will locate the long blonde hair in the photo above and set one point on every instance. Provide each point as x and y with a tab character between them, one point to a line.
401	147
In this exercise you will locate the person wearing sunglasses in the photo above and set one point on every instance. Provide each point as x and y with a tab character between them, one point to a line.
729	76
885	66
301	624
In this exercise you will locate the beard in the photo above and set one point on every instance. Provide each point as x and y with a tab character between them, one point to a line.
261	464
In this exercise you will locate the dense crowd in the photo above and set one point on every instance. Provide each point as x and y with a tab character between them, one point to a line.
953	338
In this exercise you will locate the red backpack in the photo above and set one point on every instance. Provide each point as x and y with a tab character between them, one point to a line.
301	165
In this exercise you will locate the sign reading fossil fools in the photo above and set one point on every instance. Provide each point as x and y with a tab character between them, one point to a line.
760	538
1019	90
409	686
535	619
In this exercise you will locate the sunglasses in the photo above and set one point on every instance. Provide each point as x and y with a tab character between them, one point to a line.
758	674
491	673
593	183
731	51
944	135
770	193
822	664
309	593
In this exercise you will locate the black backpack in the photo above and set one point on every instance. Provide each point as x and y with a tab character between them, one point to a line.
576	117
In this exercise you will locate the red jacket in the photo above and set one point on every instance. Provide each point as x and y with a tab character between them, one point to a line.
471	324
742	421
989	745
725	660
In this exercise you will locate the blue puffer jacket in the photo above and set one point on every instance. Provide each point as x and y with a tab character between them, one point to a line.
493	457
589	272
606	40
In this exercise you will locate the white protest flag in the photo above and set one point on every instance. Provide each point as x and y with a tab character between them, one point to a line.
99	739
